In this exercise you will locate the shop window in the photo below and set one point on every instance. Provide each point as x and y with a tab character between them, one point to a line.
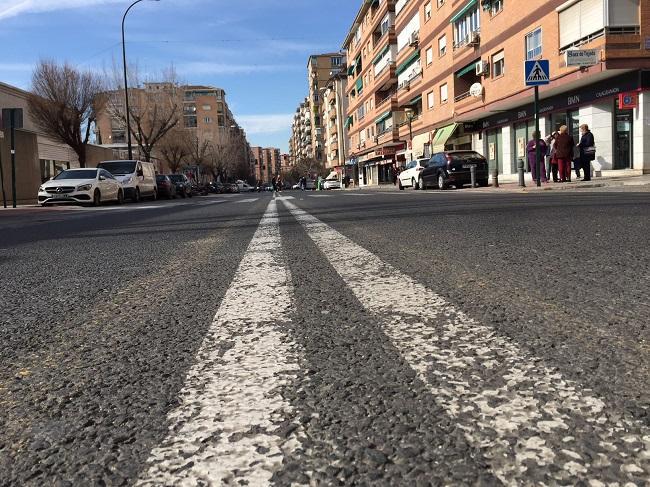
534	44
498	64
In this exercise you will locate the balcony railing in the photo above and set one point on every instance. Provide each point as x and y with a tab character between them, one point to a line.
462	96
384	100
471	39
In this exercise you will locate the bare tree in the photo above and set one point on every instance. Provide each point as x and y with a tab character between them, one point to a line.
154	108
175	148
306	167
64	103
199	152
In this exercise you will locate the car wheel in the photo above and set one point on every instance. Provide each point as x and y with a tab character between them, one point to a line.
136	196
97	198
442	182
421	184
399	184
120	197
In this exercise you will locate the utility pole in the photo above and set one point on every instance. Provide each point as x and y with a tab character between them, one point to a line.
2	173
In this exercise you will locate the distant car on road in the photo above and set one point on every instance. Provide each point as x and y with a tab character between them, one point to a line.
183	185
410	176
138	178
454	168
86	186
244	187
166	187
332	184
216	187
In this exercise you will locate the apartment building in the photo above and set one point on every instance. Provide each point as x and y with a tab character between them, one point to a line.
334	109
267	162
455	77
320	68
301	144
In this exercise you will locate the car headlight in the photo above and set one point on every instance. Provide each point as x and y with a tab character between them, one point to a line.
127	180
84	187
41	189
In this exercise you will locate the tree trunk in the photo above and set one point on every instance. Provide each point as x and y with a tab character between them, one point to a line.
81	155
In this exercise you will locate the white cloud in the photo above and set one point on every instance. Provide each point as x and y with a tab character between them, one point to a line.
265	124
12	8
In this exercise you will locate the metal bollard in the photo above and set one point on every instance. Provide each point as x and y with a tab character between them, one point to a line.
495	177
520	170
472	172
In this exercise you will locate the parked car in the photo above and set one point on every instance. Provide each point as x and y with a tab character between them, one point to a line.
183	185
166	187
231	188
198	190
216	187
410	176
138	178
332	184
453	168
244	187
84	186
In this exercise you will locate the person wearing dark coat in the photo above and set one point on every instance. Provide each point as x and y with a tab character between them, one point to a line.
563	148
587	147
531	150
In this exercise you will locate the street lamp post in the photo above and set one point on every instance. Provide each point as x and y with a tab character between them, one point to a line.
410	116
126	83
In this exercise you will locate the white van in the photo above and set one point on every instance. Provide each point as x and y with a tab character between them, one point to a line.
138	178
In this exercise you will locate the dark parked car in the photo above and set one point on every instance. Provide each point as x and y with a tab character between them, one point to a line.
216	187
453	168
183	185
166	187
231	188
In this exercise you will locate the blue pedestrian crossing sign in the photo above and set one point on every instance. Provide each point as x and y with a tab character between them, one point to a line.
537	72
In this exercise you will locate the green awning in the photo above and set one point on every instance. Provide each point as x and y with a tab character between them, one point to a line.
384	116
415	100
409	60
359	85
348	122
441	137
463	10
351	69
381	54
471	67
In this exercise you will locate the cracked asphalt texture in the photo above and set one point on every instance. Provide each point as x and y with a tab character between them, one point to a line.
103	313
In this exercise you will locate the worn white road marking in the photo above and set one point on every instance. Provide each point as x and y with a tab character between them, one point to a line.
228	429
283	198
247	200
320	195
530	422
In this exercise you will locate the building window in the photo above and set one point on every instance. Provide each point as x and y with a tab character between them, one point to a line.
496	6
336	61
440	3
534	44
427	12
429	55
498	64
207	120
430	100
444	93
442	46
206	108
190	122
466	26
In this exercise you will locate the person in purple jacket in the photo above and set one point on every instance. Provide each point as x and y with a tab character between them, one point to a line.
531	149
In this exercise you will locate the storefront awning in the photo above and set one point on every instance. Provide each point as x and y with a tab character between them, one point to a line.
409	60
471	67
381	54
463	11
442	136
383	116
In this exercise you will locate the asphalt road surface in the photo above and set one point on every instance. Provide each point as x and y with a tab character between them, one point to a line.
361	338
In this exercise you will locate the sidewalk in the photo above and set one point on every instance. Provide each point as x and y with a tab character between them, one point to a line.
509	183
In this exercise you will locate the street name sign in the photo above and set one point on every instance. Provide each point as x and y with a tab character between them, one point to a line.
581	57
537	73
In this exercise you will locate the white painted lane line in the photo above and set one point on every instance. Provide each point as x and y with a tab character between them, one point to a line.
319	195
530	422
283	198
224	431
247	200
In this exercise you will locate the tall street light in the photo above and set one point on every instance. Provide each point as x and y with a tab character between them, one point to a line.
126	83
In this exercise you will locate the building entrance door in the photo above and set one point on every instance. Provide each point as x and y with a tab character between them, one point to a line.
494	150
623	139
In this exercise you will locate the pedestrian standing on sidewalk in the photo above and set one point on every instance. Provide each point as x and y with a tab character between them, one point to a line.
531	149
587	147
303	183
551	161
563	148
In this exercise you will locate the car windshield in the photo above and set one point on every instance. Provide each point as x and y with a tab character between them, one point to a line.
177	178
464	156
161	178
119	168
82	174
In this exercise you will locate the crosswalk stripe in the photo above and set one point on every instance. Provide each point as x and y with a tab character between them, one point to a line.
247	200
528	419
230	428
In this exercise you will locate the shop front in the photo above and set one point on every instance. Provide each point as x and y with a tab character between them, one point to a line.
502	138
379	166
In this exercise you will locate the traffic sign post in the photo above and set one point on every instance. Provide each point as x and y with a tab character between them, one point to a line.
537	73
2	172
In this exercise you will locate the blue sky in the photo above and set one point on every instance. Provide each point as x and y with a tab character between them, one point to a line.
256	50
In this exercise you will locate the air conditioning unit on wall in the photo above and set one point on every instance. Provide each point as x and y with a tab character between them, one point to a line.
414	39
482	68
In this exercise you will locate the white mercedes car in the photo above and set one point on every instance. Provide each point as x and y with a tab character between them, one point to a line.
332	184
85	186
